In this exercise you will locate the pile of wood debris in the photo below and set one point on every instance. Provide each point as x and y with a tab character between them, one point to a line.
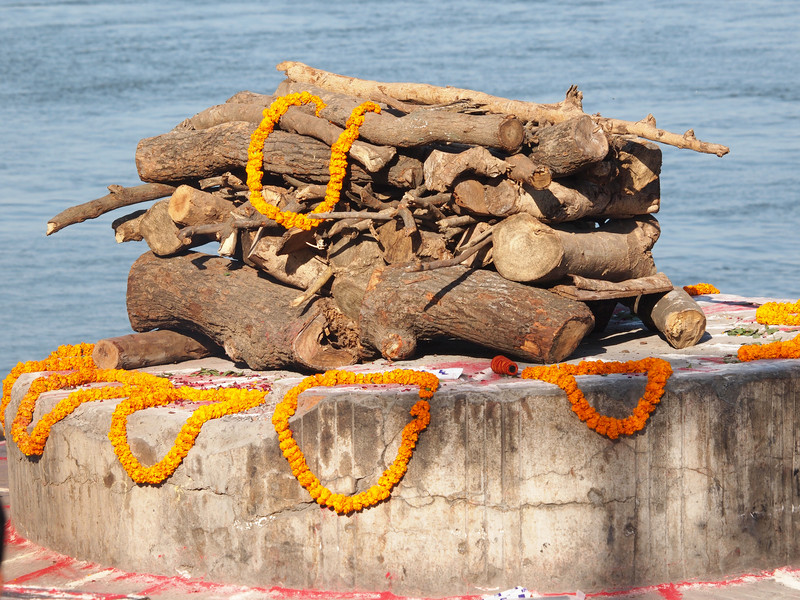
512	225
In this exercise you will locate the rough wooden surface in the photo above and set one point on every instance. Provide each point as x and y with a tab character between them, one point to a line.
400	308
229	303
675	314
570	146
159	347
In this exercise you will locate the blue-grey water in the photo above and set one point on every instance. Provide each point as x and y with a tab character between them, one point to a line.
81	82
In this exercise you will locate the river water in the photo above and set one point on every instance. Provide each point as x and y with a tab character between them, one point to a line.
81	82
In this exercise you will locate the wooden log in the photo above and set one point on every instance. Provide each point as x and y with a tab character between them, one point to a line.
353	260
190	206
160	231
421	127
117	198
525	249
569	146
570	107
229	303
160	347
675	315
637	186
126	229
187	155
524	170
589	290
567	199
299	268
227	113
442	168
401	308
432	94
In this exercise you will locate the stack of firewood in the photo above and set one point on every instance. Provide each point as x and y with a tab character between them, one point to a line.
508	224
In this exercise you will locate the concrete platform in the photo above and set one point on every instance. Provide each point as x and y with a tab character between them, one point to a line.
507	487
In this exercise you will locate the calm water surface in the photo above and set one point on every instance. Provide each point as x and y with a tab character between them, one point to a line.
82	82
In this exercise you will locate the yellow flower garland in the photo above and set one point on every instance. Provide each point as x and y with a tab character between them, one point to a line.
787	349
700	289
337	167
779	313
342	504
563	375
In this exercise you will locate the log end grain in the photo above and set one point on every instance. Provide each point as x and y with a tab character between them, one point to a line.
525	249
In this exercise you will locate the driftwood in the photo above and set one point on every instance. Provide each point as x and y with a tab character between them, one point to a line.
674	314
570	146
401	308
184	155
250	317
568	108
420	127
525	249
117	198
160	347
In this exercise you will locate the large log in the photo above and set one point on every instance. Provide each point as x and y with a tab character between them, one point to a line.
421	127
186	155
190	206
525	249
160	347
401	308
249	316
570	146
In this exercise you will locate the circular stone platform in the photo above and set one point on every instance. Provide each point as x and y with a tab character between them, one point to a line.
507	487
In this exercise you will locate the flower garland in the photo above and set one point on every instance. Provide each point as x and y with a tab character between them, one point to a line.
140	390
342	504
337	167
225	401
563	375
779	313
700	289
63	358
787	349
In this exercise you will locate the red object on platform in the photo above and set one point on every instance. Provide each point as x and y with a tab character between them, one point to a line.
504	366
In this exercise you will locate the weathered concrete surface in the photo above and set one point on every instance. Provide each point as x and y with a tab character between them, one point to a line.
506	486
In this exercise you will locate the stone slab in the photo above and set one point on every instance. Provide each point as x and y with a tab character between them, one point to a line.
506	485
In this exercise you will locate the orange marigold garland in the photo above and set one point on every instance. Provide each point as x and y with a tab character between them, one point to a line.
226	401
342	504
63	358
563	375
779	313
787	349
337	167
700	289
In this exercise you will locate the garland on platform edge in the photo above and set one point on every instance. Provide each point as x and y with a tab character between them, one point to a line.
342	504
337	167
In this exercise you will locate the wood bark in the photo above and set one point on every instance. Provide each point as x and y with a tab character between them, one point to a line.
190	206
401	308
117	198
187	155
421	127
570	107
527	250
564	200
299	268
160	347
674	314
126	229
229	303
570	146
442	168
431	94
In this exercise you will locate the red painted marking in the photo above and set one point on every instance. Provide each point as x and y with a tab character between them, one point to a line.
54	568
670	592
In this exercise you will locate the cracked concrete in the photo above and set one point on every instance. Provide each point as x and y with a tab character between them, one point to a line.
505	486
